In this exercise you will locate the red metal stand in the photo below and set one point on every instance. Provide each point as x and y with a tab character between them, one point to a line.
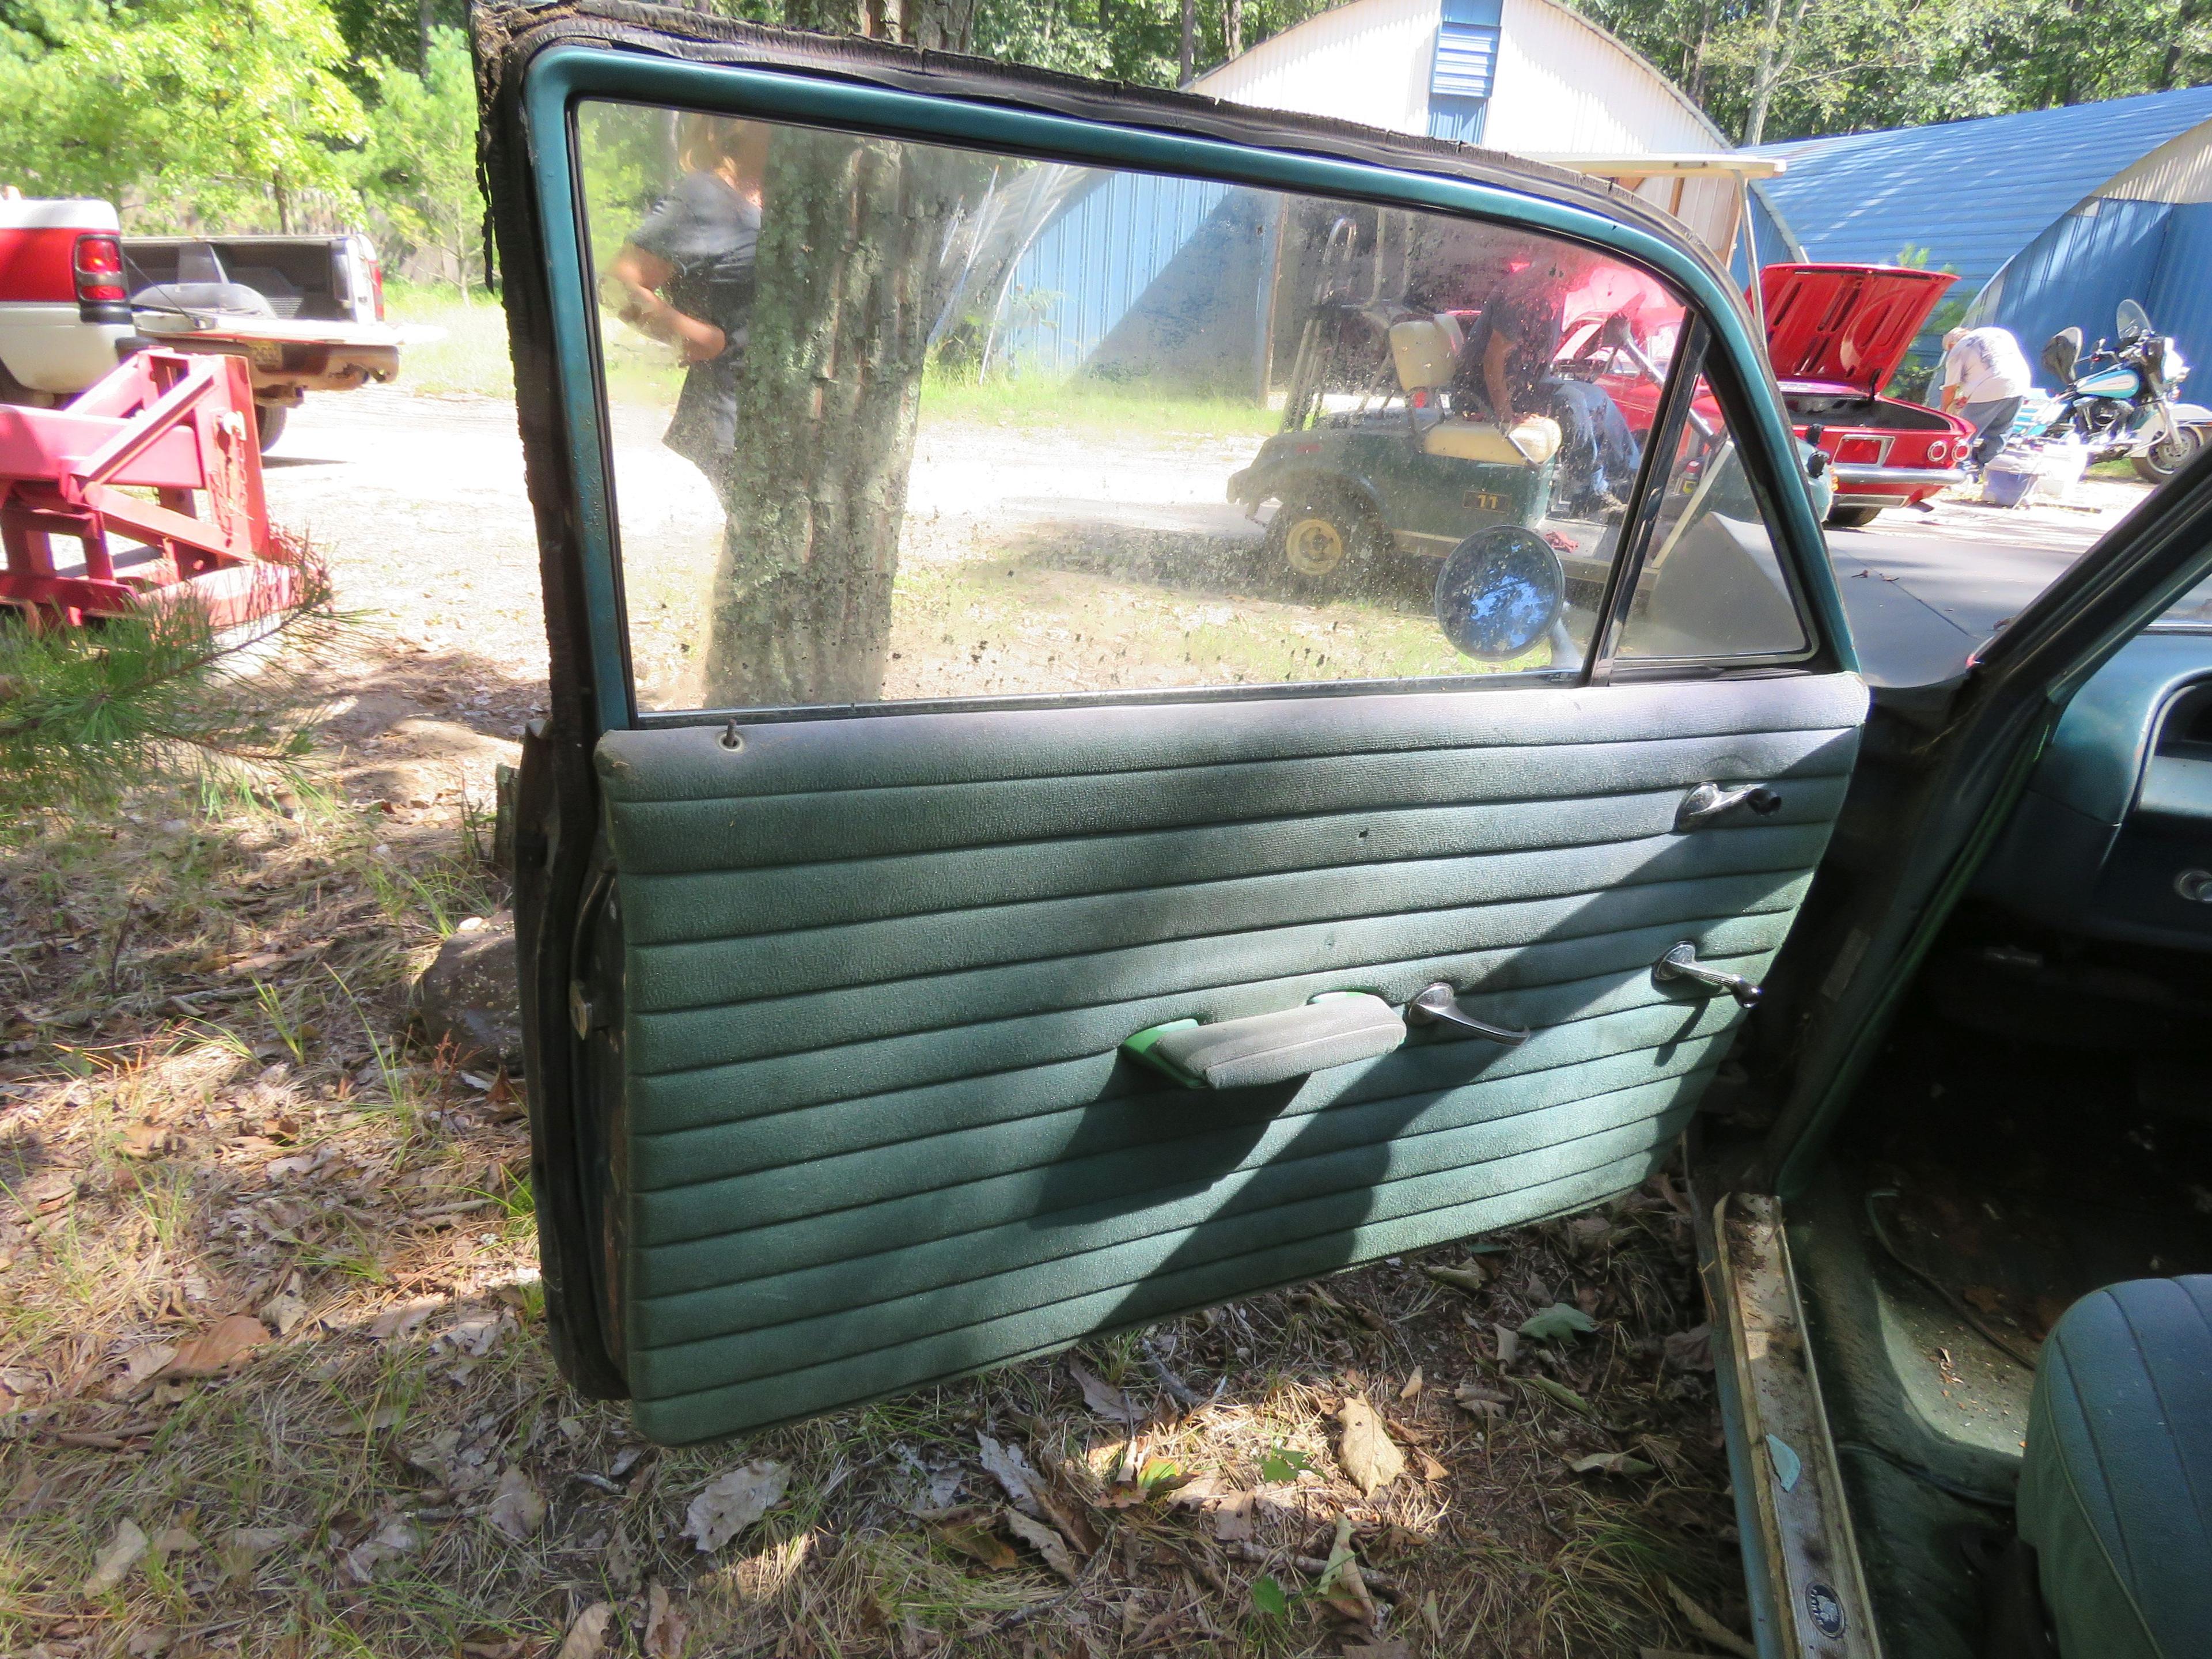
180	427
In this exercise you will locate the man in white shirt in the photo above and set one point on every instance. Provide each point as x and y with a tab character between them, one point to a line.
1985	379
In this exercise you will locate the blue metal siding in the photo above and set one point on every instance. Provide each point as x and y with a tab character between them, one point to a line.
2180	299
2076	273
1971	193
1460	119
1146	277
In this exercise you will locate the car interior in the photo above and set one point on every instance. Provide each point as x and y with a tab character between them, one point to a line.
2036	1131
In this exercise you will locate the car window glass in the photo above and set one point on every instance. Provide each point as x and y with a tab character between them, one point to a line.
1711	584
893	421
2192	611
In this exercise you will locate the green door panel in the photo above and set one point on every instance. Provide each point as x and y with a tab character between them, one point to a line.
869	977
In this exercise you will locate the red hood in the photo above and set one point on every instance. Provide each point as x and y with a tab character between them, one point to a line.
1852	323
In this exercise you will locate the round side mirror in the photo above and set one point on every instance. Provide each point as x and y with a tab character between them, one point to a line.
1499	591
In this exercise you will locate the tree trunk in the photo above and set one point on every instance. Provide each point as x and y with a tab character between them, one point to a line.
1188	60
826	409
1776	45
1233	26
1693	71
422	21
2169	70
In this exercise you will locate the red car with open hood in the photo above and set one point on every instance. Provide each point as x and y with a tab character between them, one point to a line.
1835	335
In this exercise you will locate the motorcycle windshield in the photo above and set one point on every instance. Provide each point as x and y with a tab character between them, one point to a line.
2133	320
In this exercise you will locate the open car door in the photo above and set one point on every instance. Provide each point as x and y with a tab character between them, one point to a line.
978	887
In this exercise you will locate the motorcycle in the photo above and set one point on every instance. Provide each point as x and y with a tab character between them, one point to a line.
2119	400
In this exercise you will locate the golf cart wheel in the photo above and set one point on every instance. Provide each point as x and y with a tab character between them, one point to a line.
2165	459
271	419
1319	541
1852	517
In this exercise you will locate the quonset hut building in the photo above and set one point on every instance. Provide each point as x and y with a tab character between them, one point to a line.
1527	77
2050	217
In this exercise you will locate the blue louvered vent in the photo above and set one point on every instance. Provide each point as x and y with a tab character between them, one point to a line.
1467	60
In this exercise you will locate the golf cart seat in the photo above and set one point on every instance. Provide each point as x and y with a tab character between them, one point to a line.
1424	350
2115	1490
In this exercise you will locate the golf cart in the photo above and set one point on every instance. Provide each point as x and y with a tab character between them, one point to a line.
1370	457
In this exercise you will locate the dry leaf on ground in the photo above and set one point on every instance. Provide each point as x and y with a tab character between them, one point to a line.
116	1561
1616	1462
666	1630
1369	1457
733	1502
1469	1279
517	1510
1691	1350
624	1569
175	1539
1013	1471
396	1324
218	1348
395	1537
973	1538
284	1311
242	1547
148	1359
589	1632
1041	1539
1705	1625
1102	1396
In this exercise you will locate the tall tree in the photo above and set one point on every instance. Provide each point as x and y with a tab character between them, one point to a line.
228	110
419	164
829	397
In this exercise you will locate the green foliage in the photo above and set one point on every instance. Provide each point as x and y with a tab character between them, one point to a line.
1557	1322
1856	65
229	111
1282	1462
87	714
420	164
1267	1597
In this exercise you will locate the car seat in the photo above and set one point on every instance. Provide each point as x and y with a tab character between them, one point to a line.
1424	350
2116	1486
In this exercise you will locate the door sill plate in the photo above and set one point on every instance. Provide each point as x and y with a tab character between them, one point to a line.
1804	1524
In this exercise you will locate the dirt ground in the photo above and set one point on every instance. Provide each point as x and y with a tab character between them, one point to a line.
272	1375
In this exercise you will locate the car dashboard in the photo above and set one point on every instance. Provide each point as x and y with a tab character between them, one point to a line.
2113	838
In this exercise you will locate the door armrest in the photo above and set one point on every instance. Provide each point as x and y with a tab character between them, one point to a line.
1334	1029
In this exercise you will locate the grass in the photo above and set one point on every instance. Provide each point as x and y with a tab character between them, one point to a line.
287	1138
471	357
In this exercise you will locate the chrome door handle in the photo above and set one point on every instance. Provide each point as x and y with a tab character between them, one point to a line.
1681	963
1438	1004
1708	801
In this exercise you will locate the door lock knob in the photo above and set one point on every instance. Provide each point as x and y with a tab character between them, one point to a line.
1681	963
1438	1004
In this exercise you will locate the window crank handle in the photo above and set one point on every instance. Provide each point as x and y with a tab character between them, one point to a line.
1681	963
1438	1004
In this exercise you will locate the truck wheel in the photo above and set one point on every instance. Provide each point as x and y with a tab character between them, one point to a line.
271	417
1852	517
1321	541
2163	460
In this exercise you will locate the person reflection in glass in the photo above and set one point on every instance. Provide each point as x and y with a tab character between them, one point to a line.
1507	370
685	277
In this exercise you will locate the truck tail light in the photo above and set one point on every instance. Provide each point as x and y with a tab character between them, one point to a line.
376	283
100	270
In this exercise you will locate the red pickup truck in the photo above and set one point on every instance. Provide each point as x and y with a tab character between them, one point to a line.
306	312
